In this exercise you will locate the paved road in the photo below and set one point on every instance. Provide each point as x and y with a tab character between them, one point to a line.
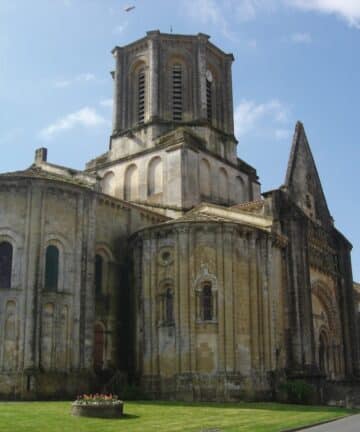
349	424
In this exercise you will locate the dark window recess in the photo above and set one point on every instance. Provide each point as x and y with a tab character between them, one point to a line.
209	100
6	256
141	96
98	274
207	302
177	92
169	306
52	268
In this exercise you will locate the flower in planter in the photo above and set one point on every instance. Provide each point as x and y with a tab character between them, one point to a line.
98	399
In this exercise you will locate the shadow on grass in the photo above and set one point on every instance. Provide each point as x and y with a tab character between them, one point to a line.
267	406
128	417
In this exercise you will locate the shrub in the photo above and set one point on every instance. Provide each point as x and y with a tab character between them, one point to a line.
298	391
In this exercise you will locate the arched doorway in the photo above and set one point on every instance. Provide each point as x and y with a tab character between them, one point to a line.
323	353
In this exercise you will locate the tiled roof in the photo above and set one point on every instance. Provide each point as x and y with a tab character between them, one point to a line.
250	206
38	173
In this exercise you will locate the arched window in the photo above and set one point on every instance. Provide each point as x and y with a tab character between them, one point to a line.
177	92
155	176
141	95
207	302
99	270
52	268
240	190
99	346
223	186
131	183
169	306
108	183
6	257
205	178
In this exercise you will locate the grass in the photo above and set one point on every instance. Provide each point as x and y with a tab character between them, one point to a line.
165	417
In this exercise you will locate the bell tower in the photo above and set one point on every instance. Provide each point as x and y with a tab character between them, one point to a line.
173	103
164	81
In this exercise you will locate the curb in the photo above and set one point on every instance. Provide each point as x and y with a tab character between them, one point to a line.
316	424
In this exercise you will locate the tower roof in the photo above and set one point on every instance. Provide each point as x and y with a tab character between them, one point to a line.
302	178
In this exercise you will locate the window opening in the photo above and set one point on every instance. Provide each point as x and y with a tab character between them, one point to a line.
177	92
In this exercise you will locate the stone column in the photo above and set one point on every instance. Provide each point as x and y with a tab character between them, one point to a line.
118	77
87	284
183	288
31	281
229	299
146	307
154	75
253	294
228	97
220	298
201	64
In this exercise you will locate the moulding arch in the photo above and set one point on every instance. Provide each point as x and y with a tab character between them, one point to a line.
166	282
154	182
131	182
205	276
10	236
59	241
137	63
105	251
321	291
107	183
132	96
185	60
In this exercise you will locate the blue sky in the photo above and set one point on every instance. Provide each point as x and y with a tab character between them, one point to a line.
294	60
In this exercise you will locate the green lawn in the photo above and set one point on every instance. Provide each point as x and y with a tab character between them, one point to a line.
164	417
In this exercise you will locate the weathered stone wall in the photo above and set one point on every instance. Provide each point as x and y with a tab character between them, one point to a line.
183	182
230	355
47	336
319	300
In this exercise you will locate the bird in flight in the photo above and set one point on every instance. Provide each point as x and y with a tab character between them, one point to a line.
129	8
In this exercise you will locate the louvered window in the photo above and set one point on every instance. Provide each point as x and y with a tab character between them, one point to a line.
177	92
209	99
141	96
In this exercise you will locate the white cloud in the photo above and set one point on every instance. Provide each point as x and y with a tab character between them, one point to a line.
217	13
211	13
120	28
265	118
301	38
85	117
281	134
106	103
85	77
247	10
347	9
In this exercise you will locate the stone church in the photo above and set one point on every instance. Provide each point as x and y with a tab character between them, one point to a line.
162	260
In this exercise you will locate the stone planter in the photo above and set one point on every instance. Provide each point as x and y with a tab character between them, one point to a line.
101	410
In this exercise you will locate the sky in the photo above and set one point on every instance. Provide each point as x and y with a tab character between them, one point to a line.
294	60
